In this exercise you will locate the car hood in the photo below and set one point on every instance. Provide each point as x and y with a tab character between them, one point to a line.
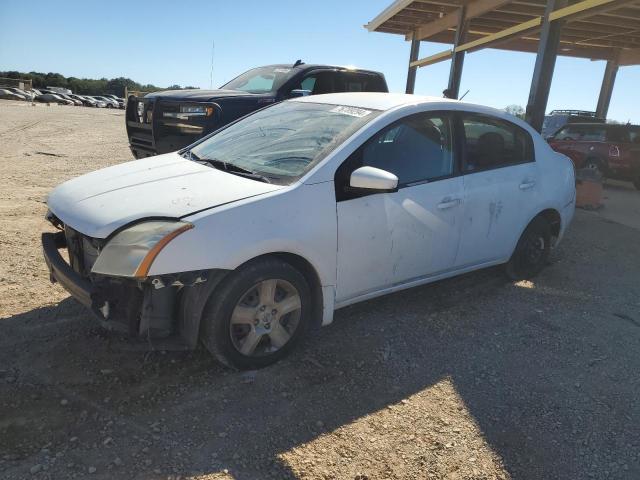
98	203
198	95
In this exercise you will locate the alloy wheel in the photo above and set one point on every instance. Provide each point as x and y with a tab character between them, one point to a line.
265	318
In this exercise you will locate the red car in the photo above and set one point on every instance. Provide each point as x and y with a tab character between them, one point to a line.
613	150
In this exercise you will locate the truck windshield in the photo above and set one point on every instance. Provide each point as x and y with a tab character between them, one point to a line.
260	80
284	141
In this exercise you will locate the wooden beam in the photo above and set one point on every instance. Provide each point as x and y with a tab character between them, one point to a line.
501	35
473	9
629	57
438	57
586	6
387	13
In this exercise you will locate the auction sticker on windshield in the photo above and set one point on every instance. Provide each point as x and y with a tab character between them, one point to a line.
353	111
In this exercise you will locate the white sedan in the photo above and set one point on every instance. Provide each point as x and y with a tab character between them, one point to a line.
251	236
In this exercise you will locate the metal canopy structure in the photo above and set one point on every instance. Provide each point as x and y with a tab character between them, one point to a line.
593	29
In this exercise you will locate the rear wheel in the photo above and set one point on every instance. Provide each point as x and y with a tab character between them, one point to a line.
532	252
258	315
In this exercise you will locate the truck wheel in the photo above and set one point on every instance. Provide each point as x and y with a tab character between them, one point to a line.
257	315
532	252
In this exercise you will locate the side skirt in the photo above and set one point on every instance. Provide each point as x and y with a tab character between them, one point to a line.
416	282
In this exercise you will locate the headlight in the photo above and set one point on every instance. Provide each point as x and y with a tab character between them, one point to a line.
187	111
131	252
192	109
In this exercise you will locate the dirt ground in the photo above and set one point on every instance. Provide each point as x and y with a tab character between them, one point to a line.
470	378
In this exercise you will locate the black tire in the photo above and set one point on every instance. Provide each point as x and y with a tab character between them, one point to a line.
636	182
222	339
532	251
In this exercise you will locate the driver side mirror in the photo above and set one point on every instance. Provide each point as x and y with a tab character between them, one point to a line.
374	180
299	92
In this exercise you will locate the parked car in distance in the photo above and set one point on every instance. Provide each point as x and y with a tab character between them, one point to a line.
52	98
64	96
75	101
166	121
118	100
86	101
25	93
110	102
559	118
7	94
612	150
99	103
249	237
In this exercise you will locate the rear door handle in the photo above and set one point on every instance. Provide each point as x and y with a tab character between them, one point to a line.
448	203
527	185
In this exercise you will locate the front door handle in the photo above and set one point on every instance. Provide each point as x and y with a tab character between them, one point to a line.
527	185
448	203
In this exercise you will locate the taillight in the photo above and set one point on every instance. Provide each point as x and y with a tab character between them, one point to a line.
614	151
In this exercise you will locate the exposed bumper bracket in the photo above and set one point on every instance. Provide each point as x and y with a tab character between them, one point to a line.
61	272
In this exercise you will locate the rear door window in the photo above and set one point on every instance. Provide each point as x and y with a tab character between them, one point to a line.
592	134
493	143
619	135
584	133
360	82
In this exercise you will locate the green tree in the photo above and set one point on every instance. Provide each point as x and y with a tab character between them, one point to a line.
515	110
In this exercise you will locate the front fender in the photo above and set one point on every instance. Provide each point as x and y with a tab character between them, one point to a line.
299	220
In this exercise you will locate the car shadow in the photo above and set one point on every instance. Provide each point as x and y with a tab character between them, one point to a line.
534	364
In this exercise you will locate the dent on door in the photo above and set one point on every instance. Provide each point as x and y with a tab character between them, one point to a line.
394	238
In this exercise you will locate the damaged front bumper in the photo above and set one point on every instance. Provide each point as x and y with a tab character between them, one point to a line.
100	297
157	307
60	271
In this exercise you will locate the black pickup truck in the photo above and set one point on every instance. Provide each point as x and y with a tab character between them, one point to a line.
169	120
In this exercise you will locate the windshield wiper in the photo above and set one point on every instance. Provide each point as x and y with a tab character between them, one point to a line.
233	169
189	155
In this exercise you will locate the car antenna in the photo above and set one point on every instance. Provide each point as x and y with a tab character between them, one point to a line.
465	94
298	62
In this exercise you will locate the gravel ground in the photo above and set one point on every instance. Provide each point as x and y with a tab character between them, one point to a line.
469	378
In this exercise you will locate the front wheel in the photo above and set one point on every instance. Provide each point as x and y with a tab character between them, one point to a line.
532	252
258	315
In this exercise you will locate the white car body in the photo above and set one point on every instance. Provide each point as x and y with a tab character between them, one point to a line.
359	249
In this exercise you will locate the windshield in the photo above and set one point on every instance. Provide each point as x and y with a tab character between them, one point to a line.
284	141
260	80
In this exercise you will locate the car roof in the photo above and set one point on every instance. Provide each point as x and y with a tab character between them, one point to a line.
373	100
313	66
390	101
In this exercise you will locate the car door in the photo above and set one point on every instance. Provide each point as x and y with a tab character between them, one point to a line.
500	188
387	239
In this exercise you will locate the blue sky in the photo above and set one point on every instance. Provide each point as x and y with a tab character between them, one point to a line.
168	42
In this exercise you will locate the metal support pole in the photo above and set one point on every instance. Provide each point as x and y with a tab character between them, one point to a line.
606	89
545	64
457	59
411	74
